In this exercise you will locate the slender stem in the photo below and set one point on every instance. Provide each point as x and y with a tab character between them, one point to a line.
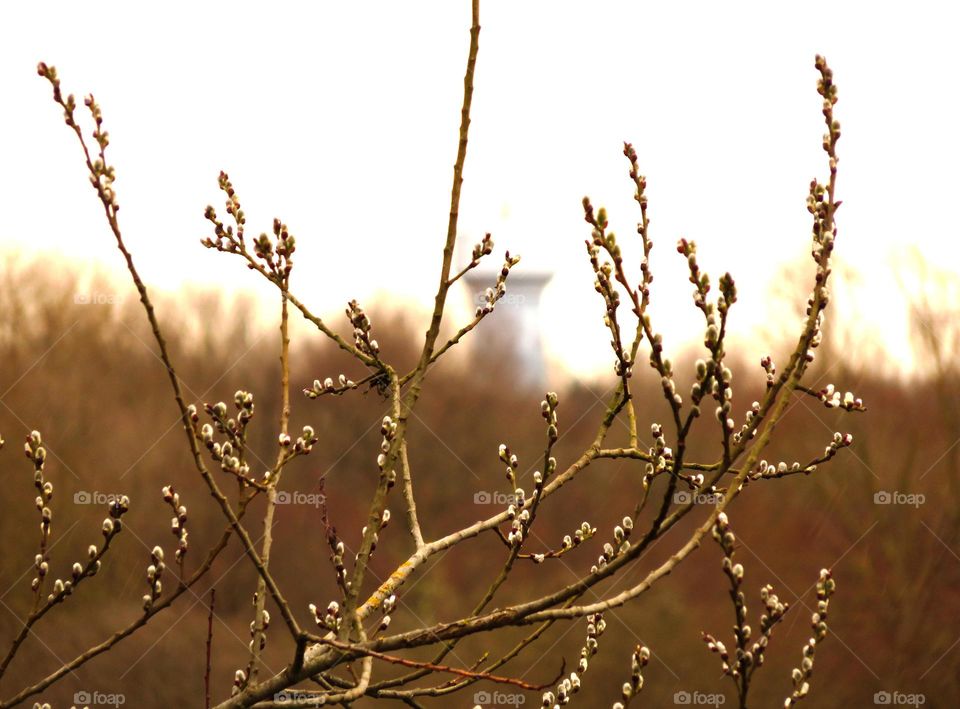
413	393
448	248
438	668
412	522
206	673
259	620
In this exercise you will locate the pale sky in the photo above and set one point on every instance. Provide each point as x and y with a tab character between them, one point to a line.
342	119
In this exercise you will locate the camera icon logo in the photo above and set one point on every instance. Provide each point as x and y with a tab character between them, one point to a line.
283	497
81	698
481	698
482	498
882	498
682	698
81	497
882	697
682	497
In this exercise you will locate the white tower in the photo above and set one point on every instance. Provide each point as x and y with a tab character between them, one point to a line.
514	326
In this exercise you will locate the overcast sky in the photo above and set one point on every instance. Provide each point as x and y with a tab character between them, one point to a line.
342	119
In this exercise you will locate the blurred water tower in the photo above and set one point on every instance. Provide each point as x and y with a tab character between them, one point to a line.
508	343
513	329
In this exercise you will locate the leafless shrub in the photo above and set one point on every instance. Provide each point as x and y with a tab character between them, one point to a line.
354	629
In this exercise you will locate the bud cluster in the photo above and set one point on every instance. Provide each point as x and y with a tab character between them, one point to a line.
375	538
291	448
818	620
305	441
37	453
548	409
227	240
519	513
336	557
499	289
774	609
480	249
102	175
816	335
703	384
725	538
723	393
178	523
639	660
78	572
511	461
604	281
484	248
262	631
700	281
583	533
712	376
230	453
620	544
570	685
61	589
766	470
388	606
833	399
640	184
239	682
328	386
362	330
329	619
277	253
749	429
821	204
660	453
112	524
771	370
154	582
388	429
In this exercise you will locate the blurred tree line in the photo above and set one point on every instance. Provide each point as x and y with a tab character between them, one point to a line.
77	363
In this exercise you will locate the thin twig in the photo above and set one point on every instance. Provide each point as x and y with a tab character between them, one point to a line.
206	673
439	668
